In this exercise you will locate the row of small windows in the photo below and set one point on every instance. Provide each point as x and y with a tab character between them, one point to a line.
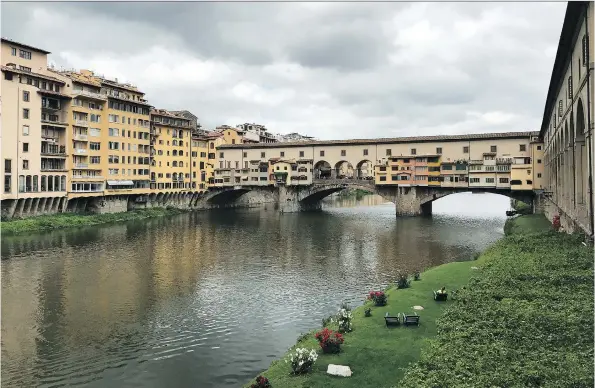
413	151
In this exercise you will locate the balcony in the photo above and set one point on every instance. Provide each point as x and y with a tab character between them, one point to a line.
53	150
81	165
88	177
81	137
80	151
53	120
91	95
52	168
81	123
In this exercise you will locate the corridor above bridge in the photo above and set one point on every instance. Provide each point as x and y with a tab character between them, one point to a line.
510	160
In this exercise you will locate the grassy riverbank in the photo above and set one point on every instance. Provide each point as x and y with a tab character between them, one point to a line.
525	318
68	220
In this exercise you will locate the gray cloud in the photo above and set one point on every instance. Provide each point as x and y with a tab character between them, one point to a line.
332	70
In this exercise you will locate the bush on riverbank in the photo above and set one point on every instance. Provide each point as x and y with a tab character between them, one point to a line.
67	220
526	321
532	223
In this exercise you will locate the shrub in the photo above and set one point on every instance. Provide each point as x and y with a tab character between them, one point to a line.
329	341
416	276
403	281
345	318
302	360
368	312
379	297
261	382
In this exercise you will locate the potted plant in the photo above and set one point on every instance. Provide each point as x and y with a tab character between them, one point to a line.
329	341
403	281
368	312
261	382
416	276
441	294
302	360
379	297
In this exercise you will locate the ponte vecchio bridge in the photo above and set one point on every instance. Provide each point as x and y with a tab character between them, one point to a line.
411	172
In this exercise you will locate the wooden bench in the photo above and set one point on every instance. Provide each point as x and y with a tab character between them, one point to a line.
440	297
392	320
410	319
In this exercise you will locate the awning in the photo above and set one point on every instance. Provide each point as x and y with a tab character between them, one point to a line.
120	183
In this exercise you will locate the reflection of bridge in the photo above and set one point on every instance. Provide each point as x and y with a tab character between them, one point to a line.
409	201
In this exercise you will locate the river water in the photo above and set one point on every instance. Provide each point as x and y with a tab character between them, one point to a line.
209	299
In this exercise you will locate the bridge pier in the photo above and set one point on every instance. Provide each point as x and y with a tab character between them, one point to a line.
412	201
291	200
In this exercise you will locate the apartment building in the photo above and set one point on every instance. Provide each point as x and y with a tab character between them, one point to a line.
34	132
201	169
171	141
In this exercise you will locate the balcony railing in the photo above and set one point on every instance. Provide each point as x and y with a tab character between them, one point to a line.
80	151
53	150
88	177
81	123
52	168
80	136
81	165
85	93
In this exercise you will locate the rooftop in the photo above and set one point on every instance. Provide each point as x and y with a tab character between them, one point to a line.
412	139
32	73
10	41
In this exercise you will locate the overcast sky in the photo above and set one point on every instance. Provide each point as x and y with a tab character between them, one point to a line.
329	70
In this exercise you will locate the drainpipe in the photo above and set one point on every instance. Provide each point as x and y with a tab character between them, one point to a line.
589	122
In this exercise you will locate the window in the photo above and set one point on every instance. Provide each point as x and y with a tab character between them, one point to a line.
383	178
8	76
25	164
446	167
389	152
113	145
489	180
13	51
25	68
413	151
301	154
7	184
538	148
503	180
560	108
473	180
522	147
282	154
25	96
539	175
343	152
245	154
585	50
25	147
25	113
262	154
466	149
25	54
439	150
114	132
538	161
321	153
366	152
220	154
95	159
25	130
493	148
95	146
94	132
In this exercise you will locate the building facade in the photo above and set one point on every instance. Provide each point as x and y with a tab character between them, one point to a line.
567	126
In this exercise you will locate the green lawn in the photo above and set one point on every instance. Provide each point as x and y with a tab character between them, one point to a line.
377	355
67	220
524	318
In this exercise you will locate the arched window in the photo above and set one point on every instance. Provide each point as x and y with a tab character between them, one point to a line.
43	183
175	142
175	164
35	184
181	164
56	183
21	183
212	145
63	183
50	183
181	143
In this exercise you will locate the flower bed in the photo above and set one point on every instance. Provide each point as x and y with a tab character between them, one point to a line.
344	318
329	341
302	360
261	382
379	297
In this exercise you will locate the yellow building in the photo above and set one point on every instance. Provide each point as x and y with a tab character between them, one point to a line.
88	137
230	135
201	168
171	139
128	139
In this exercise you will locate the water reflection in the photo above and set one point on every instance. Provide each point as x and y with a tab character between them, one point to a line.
211	298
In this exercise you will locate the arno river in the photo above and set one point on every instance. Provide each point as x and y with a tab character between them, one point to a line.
209	299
